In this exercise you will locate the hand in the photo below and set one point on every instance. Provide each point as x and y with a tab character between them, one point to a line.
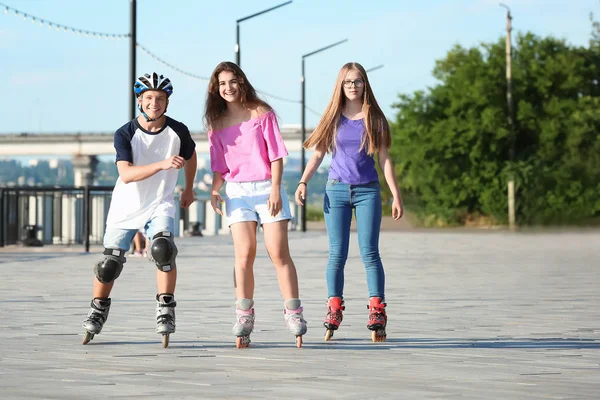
300	194
397	209
187	198
274	202
174	162
216	201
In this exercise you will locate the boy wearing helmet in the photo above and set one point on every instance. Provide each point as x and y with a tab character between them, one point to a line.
150	151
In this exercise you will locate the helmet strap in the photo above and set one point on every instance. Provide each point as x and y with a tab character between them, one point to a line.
148	119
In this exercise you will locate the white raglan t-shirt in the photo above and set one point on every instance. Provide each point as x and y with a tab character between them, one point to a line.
134	204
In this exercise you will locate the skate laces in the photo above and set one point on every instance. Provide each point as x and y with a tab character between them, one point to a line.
294	314
245	317
377	312
98	313
165	312
164	319
334	311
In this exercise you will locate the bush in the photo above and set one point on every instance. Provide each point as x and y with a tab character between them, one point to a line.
451	144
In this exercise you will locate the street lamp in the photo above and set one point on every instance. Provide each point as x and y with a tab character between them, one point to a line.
237	28
375	68
303	156
132	59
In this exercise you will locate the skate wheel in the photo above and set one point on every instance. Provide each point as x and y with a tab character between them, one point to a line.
165	341
242	342
328	334
299	342
378	336
87	337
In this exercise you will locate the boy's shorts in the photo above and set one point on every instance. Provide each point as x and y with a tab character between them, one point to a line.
247	201
119	238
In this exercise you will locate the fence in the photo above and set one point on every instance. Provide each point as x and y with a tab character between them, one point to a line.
77	215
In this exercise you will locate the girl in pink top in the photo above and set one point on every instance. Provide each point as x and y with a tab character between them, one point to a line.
246	151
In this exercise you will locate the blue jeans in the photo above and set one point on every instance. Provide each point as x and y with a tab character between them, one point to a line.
340	200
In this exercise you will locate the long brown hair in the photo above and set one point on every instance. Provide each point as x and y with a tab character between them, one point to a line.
376	125
216	105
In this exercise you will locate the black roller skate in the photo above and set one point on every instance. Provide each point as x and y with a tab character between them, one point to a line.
96	318
165	316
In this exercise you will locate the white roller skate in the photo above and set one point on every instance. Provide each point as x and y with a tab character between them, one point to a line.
295	319
96	318
244	324
165	316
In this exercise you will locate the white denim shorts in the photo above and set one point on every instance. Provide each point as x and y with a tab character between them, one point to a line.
247	201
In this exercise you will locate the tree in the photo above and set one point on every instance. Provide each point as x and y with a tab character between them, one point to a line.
451	142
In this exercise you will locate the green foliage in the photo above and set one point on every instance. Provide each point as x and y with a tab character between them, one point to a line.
314	212
451	144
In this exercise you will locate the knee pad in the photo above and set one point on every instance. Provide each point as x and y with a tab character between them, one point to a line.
110	268
163	251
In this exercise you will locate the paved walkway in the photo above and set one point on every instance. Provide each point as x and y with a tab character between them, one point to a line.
472	315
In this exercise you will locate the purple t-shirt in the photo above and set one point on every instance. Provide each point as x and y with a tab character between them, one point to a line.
349	164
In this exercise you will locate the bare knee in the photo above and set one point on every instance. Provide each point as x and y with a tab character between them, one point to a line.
280	258
245	262
245	258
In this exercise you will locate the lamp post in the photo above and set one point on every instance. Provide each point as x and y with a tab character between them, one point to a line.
509	105
237	29
132	59
303	155
375	68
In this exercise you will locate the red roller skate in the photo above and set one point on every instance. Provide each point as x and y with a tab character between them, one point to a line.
377	319
333	319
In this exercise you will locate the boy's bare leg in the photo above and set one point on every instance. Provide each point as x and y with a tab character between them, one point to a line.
102	290
165	281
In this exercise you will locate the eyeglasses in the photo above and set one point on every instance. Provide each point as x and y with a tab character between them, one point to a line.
357	83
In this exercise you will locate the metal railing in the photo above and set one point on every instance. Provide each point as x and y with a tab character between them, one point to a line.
73	215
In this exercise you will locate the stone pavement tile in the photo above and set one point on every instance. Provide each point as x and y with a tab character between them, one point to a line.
472	315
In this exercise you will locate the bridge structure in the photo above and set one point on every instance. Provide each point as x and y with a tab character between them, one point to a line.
69	215
84	148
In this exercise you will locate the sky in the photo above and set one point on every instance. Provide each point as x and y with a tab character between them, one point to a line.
57	82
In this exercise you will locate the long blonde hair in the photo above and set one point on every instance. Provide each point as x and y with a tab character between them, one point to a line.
376	125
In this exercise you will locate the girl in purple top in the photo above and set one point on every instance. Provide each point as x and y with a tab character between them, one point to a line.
354	129
246	151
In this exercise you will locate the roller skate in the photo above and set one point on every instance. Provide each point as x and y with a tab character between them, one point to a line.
165	316
377	319
96	318
296	323
333	319
245	322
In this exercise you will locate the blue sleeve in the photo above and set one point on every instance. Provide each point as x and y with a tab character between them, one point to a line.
188	146
122	142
